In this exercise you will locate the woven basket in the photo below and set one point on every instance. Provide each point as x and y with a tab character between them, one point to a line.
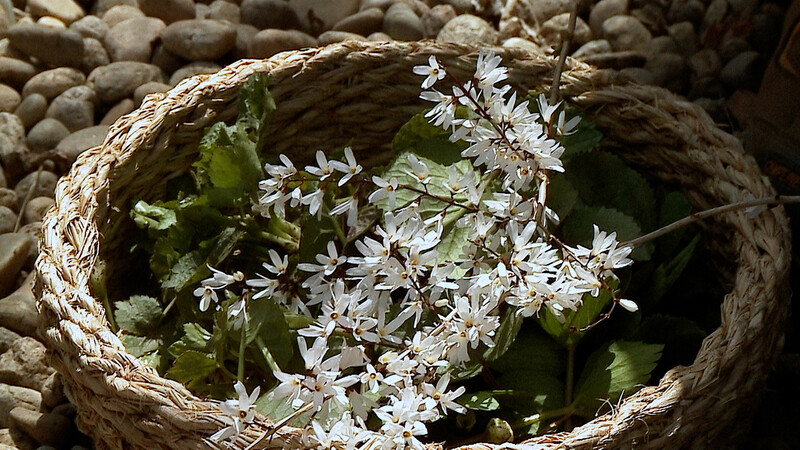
360	94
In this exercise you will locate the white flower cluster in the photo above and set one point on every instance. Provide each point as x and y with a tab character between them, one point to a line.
391	322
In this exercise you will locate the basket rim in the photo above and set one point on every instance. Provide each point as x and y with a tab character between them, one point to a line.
93	359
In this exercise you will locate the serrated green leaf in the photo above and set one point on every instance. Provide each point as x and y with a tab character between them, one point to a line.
256	106
682	338
278	408
479	401
505	336
454	238
577	228
139	346
616	369
561	196
666	274
184	270
195	337
534	352
585	138
228	161
267	324
138	315
192	267
568	333
674	207
192	367
154	217
426	140
604	180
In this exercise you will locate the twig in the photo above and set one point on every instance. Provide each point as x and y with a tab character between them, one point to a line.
280	424
702	215
573	19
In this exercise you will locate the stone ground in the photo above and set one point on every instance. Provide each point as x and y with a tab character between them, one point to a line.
69	68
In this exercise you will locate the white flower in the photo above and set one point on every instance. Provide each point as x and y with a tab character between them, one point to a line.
314	201
349	206
324	170
238	312
350	169
433	72
630	305
420	171
443	398
242	412
207	295
388	189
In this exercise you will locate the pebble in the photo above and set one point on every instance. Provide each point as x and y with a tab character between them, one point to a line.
74	108
121	13
94	55
15	72
51	22
53	391
133	39
76	143
436	18
742	72
715	13
46	184
168	10
3	181
264	14
167	61
52	46
401	23
8	219
383	5
122	107
266	43
705	63
652	16
766	32
554	30
328	13
149	88
44	428
626	33
364	22
616	60
686	11
9	98
379	37
244	35
199	40
14	314
709	87
638	75
32	109
662	44
331	36
685	37
469	30
13	396
66	11
118	80
102	6
542	10
12	137
732	46
595	47
192	69
669	70
8	198
32	231
603	10
91	27
36	208
223	10
46	134
524	44
6	19
51	83
16	439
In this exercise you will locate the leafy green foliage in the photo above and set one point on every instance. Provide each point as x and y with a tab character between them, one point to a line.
681	337
568	333
577	228
617	368
585	138
139	315
428	141
269	326
666	274
480	401
192	367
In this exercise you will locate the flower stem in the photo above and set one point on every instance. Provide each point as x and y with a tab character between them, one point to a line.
547	415
242	345
702	215
573	18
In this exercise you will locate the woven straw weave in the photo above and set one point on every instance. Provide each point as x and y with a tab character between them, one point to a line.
360	94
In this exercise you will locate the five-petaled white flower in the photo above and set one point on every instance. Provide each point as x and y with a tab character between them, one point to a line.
433	72
241	411
350	169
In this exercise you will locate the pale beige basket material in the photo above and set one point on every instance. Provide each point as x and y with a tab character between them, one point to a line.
360	94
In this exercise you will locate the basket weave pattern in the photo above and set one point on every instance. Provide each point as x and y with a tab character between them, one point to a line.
359	94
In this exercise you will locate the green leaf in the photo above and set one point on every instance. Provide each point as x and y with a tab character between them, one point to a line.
585	138
567	333
195	338
479	401
454	238
532	351
614	370
439	175
139	346
666	274
256	106
510	324
267	323
561	196
139	315
192	367
192	267
278	408
229	162
674	207
153	217
682	338
577	228
604	180
427	140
